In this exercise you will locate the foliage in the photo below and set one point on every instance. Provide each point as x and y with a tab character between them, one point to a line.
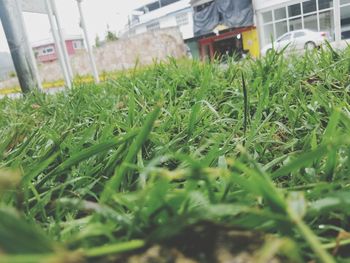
12	74
258	145
110	35
97	41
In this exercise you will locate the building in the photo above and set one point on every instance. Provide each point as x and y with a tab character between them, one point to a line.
222	39
224	27
270	20
45	50
159	14
276	17
213	28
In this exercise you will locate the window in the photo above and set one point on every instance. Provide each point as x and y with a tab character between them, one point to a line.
295	24
344	2
48	50
299	34
267	16
182	19
268	33
167	2
281	28
153	26
294	10
345	22
316	15
310	22
324	4
280	13
77	44
309	6
152	6
327	22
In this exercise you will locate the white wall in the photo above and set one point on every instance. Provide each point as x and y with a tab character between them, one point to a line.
155	14
167	21
265	4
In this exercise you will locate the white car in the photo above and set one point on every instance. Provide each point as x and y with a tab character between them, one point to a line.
298	40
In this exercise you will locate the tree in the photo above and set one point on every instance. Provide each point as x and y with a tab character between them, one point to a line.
110	35
97	41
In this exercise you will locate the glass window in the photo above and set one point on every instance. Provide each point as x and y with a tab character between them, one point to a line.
294	10
310	22
327	22
324	4
295	24
280	13
167	2
344	2
345	22
152	6
78	44
267	16
285	38
309	6
48	50
299	34
268	33
281	28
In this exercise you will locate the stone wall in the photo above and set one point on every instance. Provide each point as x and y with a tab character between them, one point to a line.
143	49
123	54
9	83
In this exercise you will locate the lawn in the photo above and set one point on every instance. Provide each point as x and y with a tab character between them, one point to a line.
183	162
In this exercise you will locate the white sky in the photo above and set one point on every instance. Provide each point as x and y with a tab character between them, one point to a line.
98	13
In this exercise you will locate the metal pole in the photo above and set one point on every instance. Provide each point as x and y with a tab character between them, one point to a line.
337	23
31	52
62	41
57	44
32	57
12	21
87	40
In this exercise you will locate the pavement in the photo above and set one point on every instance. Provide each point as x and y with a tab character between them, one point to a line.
19	95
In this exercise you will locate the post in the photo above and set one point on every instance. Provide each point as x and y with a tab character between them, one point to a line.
87	41
258	25
21	52
62	41
337	23
57	44
31	53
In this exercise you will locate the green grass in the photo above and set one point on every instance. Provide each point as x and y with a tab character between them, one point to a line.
103	170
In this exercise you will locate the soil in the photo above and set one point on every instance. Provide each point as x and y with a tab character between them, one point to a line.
203	243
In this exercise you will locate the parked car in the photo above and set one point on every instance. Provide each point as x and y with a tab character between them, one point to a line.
297	40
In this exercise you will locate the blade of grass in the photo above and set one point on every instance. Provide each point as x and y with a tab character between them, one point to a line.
114	183
118	248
